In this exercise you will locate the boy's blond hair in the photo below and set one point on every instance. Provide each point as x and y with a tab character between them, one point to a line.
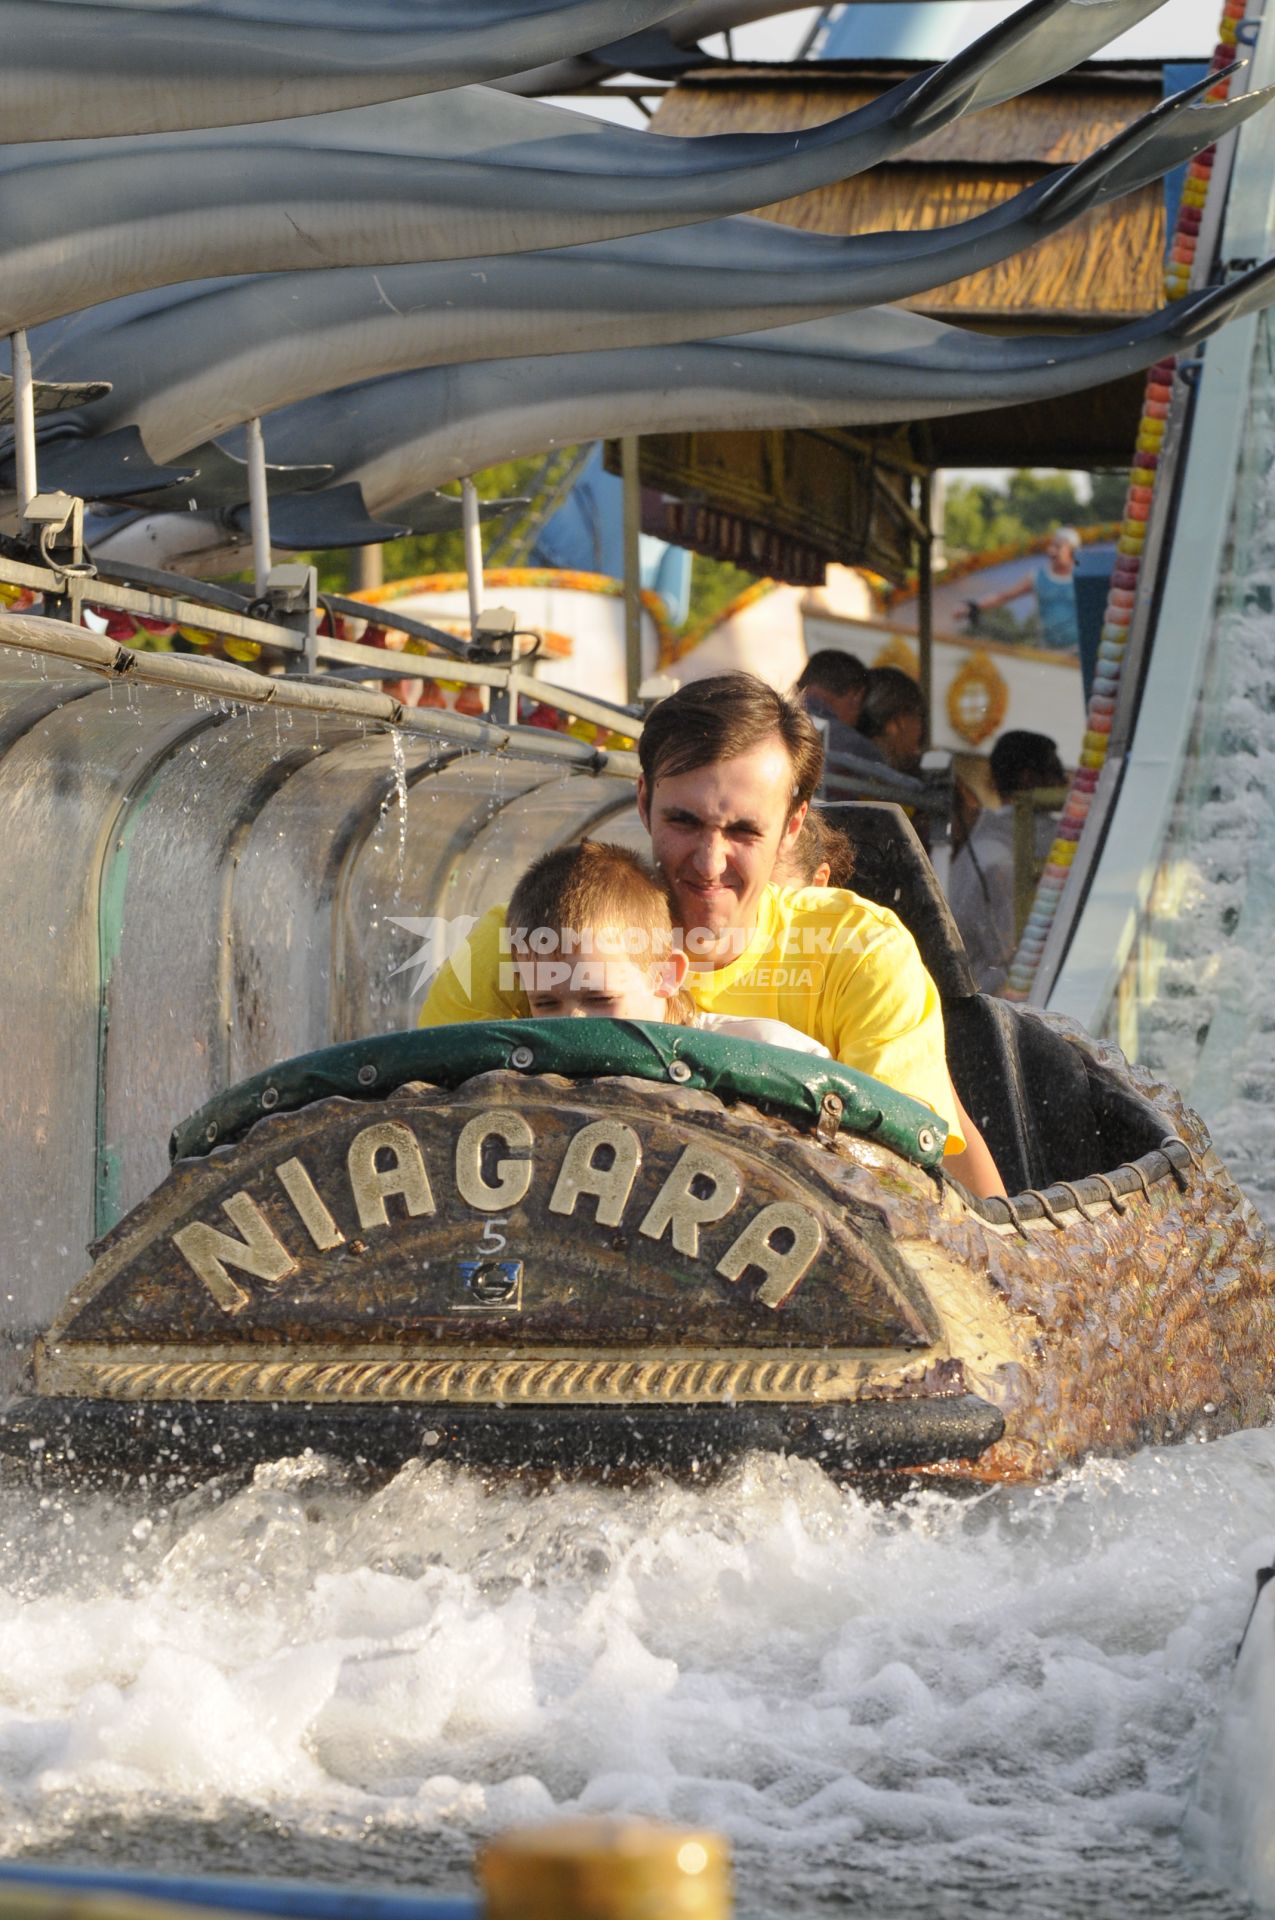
577	892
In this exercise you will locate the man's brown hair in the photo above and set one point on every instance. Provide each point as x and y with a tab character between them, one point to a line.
832	671
722	717
593	887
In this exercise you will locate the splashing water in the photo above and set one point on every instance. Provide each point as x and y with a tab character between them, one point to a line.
941	1705
1230	1825
399	760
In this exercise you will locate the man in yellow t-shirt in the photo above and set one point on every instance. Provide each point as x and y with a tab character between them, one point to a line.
728	770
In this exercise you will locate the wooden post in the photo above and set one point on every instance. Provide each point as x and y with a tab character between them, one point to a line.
925	605
605	1869
632	499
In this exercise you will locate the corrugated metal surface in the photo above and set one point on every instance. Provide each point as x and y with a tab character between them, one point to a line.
191	890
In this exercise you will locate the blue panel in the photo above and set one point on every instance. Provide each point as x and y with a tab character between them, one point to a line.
924	30
290	1898
586	535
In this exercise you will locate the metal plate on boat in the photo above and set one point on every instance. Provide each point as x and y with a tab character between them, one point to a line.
529	1214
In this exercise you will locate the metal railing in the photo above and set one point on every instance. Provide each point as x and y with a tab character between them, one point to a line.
67	592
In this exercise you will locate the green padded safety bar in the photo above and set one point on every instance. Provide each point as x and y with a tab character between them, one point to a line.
776	1079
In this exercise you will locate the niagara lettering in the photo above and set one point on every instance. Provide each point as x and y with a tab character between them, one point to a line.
492	1168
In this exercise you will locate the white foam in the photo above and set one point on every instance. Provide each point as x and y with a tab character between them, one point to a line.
979	1694
1230	1825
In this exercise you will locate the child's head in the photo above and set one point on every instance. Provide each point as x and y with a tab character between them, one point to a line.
821	856
591	933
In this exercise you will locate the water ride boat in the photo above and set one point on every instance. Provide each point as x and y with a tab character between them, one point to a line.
602	1243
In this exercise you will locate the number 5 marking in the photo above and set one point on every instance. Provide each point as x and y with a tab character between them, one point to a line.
493	1242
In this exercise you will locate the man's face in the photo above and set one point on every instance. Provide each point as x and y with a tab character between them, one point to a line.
902	740
716	834
847	706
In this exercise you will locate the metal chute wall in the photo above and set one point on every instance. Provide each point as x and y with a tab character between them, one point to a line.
192	890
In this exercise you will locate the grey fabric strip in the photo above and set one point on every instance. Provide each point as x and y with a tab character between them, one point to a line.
73	70
187	363
450	175
398	435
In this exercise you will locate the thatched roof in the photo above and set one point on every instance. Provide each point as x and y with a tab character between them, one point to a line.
1054	124
1100	270
788	502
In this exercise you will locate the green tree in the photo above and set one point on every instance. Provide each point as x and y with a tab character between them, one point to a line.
977	517
1042	501
442	552
1108	498
980	516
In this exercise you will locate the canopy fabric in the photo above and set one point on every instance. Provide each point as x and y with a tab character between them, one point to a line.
395	436
860	369
74	70
187	363
82	221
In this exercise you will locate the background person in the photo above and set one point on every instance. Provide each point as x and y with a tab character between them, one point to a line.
822	855
1054	585
831	686
981	889
894	719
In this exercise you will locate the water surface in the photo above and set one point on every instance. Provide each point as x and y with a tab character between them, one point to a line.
944	1705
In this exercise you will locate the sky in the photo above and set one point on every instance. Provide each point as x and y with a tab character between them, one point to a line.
1178	29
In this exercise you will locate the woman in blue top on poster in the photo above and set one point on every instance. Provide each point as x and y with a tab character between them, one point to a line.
1054	585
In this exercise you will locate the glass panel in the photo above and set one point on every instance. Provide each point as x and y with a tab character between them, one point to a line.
30	688
410	868
64	783
561	810
1195	998
174	979
193	891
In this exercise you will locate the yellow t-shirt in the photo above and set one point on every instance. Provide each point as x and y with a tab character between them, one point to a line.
836	966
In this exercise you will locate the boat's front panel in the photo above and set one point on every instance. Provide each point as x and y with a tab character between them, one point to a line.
523	1243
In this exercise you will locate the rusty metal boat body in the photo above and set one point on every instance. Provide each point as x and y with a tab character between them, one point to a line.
562	1243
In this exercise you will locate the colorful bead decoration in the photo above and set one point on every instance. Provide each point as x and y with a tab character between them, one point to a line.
1123	591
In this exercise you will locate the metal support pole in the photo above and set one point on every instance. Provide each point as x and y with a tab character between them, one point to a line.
925	606
23	420
473	551
369	568
632	510
310	652
259	506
